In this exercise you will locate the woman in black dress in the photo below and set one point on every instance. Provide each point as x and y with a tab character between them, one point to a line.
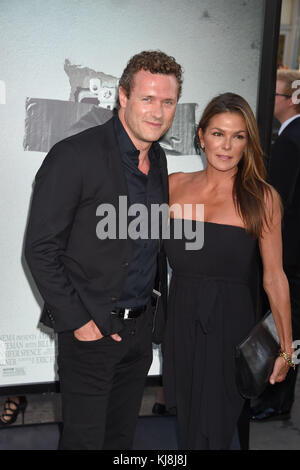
210	305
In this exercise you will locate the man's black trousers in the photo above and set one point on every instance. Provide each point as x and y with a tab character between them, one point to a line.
102	385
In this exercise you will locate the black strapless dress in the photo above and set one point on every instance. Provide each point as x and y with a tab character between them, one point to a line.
210	311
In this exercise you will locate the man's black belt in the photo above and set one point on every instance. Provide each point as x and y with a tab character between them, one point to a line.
128	313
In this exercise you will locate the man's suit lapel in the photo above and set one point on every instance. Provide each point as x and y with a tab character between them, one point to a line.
117	175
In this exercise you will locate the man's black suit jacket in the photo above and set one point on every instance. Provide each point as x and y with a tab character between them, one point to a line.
284	175
79	276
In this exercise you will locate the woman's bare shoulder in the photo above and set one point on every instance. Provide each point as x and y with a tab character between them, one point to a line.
182	177
176	176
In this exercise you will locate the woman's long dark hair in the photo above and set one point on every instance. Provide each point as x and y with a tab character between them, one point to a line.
250	189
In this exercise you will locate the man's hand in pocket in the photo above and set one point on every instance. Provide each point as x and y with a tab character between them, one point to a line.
90	332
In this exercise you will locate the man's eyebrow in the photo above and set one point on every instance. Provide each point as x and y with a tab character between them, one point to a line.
154	96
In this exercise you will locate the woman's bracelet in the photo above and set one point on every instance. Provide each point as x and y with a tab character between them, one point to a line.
288	358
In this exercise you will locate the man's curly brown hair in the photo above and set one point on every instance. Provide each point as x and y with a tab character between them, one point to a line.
151	61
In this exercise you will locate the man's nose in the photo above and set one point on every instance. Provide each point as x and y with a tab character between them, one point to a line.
157	110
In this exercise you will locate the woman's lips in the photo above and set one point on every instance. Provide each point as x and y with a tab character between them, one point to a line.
224	157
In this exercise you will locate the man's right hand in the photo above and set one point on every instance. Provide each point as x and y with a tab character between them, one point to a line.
90	332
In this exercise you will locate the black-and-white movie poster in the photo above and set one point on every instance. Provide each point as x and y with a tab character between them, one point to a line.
60	66
92	98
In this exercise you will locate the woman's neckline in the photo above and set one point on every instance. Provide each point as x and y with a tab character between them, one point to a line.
208	222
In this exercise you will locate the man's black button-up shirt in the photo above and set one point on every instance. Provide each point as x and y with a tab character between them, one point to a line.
146	190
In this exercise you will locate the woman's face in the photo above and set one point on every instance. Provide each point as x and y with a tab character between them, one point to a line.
225	140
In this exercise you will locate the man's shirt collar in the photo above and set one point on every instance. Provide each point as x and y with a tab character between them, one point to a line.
287	122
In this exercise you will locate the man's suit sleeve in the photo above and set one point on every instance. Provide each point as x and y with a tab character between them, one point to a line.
55	200
284	169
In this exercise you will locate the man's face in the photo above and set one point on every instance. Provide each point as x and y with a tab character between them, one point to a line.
149	111
282	103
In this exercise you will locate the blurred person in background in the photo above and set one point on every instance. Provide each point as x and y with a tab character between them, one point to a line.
284	175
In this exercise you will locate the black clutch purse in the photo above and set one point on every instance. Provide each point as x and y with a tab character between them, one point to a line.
255	357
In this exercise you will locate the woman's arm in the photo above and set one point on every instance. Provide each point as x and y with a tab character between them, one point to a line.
175	194
275	282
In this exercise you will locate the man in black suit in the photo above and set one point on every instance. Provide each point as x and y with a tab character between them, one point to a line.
96	281
284	174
